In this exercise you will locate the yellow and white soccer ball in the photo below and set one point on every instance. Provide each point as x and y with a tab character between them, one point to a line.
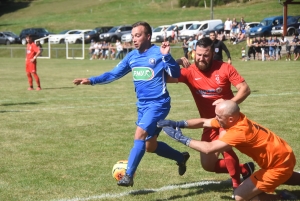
119	169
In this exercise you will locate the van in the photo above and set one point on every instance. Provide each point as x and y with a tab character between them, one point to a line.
199	27
265	26
182	26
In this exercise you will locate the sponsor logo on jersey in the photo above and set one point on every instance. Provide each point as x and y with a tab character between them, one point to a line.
142	73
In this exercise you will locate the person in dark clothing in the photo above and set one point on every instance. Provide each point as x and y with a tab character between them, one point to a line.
219	46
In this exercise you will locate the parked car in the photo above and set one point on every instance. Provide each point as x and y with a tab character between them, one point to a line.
12	37
36	33
77	36
95	33
199	27
60	37
4	39
218	28
115	33
126	37
293	23
182	26
265	26
158	31
250	25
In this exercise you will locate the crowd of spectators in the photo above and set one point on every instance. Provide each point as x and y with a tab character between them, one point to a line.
103	50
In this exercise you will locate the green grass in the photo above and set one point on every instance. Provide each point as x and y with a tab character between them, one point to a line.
62	142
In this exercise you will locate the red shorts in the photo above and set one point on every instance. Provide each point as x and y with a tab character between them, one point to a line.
30	67
211	134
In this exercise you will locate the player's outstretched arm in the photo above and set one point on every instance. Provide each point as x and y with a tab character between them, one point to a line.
201	146
165	47
183	62
191	123
79	81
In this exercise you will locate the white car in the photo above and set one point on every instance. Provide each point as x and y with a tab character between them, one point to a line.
77	37
126	37
158	31
60	38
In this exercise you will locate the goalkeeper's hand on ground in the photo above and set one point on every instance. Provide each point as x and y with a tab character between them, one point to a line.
173	124
176	134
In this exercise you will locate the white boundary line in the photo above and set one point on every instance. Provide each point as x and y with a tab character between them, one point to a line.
126	193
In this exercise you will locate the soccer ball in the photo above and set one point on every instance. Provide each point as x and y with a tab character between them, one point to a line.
119	169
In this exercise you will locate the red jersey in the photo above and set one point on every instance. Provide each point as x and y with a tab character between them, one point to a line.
206	87
32	49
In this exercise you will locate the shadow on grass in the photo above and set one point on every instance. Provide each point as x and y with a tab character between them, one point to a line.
203	187
57	88
10	7
25	103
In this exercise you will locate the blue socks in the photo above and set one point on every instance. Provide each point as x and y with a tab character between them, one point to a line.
136	154
166	151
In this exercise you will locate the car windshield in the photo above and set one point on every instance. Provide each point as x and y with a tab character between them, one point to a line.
220	26
194	26
44	30
171	28
158	29
93	32
112	30
291	20
10	33
265	23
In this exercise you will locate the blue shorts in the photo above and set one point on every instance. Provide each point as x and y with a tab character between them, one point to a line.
148	118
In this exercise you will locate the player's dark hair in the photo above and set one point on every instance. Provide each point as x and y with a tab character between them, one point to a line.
29	36
148	29
205	42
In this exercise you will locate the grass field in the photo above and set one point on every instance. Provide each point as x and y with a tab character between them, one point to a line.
62	142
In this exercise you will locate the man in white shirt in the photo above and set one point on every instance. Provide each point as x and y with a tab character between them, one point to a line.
227	27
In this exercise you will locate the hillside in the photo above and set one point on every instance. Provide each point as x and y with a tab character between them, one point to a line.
58	15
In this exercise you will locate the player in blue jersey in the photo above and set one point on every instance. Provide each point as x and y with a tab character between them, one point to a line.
150	65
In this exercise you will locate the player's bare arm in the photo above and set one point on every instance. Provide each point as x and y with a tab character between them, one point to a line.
35	56
243	91
172	128
79	81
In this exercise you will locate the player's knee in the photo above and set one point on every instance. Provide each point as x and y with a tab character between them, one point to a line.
208	167
238	198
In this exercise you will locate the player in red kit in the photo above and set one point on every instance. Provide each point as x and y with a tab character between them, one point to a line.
210	82
32	51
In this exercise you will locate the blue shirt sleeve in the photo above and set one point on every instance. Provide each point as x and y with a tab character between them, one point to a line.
171	66
116	73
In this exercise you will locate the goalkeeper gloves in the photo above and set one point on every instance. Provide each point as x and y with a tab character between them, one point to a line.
176	134
173	124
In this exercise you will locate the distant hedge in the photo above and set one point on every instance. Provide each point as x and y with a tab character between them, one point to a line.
201	3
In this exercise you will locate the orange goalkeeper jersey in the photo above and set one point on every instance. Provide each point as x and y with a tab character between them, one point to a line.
262	145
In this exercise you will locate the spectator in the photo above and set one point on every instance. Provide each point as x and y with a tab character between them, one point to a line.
277	48
234	26
240	37
251	47
242	24
185	48
227	27
112	50
119	48
286	42
258	48
176	31
39	46
219	46
190	47
296	43
271	45
221	36
233	37
97	50
264	49
243	54
92	49
104	50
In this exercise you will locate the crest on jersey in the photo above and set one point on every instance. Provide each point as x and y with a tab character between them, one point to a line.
152	61
216	49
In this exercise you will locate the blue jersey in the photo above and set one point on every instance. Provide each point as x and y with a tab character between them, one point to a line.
149	72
